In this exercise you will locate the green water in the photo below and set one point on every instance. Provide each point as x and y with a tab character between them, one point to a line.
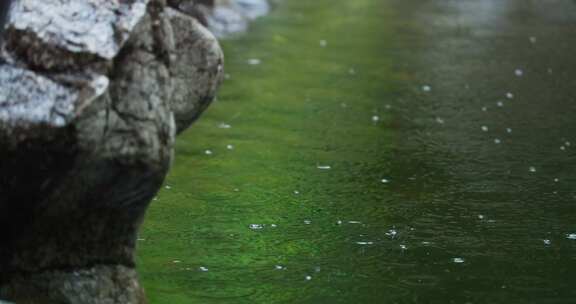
323	175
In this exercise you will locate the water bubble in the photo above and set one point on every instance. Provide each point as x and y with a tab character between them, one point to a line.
508	130
168	187
532	39
323	43
296	192
458	260
519	72
224	126
256	226
307	222
203	269
426	88
403	247
571	236
352	71
176	261
208	152
365	243
562	148
484	109
500	104
440	120
547	242
254	61
375	118
230	147
509	95
308	278
385	181
279	267
480	216
497	141
485	128
324	167
392	233
532	169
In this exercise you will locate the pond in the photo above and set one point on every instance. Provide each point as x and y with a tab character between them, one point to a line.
379	152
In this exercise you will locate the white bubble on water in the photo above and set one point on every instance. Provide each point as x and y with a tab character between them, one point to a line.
224	125
509	95
403	247
500	104
385	181
254	61
547	242
208	152
203	269
532	39
230	147
571	236
497	141
508	130
519	72
485	128
375	118
440	120
323	43
365	243
324	167
532	169
308	278
256	226
458	260
426	88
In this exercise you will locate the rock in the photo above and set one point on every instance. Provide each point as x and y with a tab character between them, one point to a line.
204	69
92	94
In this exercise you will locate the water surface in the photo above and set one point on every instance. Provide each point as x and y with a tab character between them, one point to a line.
392	151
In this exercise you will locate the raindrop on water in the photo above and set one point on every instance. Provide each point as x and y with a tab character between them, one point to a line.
458	260
532	39
375	118
224	126
509	95
571	236
323	43
519	72
497	141
208	152
385	181
426	88
323	167
485	128
532	169
230	147
547	242
440	120
256	226
254	61
203	269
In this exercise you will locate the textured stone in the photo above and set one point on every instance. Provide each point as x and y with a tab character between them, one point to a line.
89	94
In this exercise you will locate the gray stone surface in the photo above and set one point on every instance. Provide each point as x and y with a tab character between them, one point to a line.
92	94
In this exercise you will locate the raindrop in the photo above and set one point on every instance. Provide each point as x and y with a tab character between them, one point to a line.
500	104
208	152
352	71
519	72
308	278
230	147
497	141
224	126
375	118
254	61
440	120
508	130
324	167
323	43
307	222
480	216
392	233
532	39
385	181
339	222
403	247
562	148
547	242
568	144
458	260
485	128
279	267
571	236
426	88
168	187
176	261
556	180
509	95
256	226
203	269
365	243
484	109
532	169
296	192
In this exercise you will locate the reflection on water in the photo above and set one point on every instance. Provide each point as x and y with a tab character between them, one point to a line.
360	153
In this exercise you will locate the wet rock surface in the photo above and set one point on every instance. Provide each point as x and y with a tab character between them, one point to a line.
92	96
